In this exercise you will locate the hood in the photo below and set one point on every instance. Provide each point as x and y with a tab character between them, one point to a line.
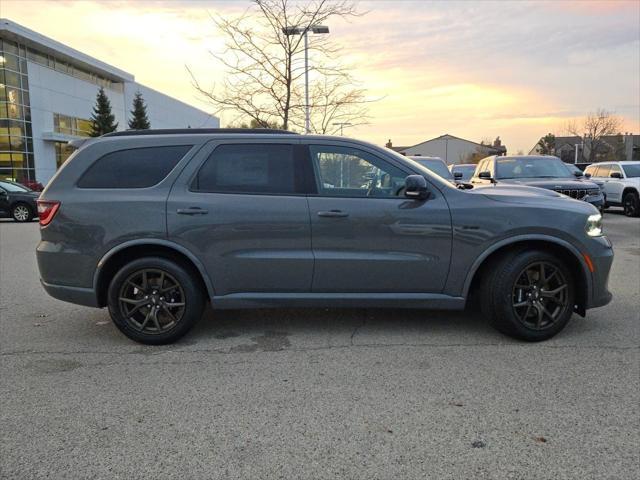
525	195
561	183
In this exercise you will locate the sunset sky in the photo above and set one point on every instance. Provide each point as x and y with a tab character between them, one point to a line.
476	70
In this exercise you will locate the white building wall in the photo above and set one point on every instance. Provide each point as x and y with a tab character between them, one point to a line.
55	92
166	112
452	150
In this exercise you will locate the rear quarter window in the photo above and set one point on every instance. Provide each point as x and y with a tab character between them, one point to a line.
133	168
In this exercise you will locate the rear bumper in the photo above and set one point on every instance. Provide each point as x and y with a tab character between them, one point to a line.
77	295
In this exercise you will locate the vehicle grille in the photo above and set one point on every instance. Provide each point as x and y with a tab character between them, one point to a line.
579	194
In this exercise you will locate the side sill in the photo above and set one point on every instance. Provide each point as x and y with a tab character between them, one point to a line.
432	301
77	295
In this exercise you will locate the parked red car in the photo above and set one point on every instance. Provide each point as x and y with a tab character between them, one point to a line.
33	185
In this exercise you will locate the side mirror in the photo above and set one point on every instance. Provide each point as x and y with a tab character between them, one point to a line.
485	175
3	193
415	186
457	175
578	174
615	175
587	175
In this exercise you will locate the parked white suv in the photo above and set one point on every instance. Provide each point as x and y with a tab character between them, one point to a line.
620	182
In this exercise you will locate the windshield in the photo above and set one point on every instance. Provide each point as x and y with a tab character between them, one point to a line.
436	166
547	167
466	170
13	187
632	171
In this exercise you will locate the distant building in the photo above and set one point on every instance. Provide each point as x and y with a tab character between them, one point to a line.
452	149
612	147
47	93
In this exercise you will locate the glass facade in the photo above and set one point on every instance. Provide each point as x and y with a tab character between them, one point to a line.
79	127
16	138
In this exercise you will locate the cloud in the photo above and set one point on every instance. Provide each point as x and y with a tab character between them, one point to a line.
473	69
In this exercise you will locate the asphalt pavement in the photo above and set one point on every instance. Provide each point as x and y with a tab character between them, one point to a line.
314	394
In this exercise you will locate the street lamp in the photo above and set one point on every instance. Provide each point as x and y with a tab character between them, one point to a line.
295	30
342	125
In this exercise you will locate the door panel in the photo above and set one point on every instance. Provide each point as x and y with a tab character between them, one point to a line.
248	242
374	240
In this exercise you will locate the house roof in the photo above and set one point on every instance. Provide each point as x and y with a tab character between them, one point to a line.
500	148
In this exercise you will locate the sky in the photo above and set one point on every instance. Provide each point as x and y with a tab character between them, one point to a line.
473	69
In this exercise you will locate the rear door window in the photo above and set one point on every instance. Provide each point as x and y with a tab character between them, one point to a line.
133	168
250	168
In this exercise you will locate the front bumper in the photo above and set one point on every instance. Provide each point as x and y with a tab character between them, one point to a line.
601	255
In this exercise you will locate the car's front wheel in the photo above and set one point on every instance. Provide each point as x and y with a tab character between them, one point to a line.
631	204
155	300
528	295
21	212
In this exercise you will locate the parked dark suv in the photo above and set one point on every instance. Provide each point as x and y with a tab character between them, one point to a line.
154	224
542	171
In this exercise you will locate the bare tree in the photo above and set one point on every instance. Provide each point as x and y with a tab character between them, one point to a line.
264	72
594	127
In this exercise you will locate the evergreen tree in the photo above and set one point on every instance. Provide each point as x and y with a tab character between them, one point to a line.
139	119
102	120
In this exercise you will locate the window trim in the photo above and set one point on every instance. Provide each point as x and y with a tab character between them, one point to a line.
186	154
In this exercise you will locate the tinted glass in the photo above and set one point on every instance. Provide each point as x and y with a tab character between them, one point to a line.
615	168
12	187
133	168
436	166
548	167
343	171
591	170
632	171
249	168
466	170
603	171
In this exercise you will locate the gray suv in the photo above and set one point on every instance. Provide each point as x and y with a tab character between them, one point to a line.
153	224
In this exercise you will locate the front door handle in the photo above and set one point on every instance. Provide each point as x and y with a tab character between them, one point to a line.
192	211
333	214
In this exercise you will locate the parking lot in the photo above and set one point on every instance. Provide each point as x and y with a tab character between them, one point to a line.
316	393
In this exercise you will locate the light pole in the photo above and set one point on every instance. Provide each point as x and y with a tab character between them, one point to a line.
342	125
295	30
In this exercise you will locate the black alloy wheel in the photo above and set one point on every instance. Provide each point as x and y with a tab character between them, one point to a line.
631	204
152	301
540	295
156	300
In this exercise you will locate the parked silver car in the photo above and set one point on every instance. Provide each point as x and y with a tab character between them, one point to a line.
154	223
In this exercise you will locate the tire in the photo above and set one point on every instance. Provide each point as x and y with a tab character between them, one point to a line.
508	307
174	295
21	212
631	204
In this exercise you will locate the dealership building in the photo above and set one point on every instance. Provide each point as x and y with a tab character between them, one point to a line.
47	95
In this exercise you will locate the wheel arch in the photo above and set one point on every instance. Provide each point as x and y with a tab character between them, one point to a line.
561	248
629	190
118	256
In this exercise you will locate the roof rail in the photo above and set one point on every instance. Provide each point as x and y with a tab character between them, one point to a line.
196	131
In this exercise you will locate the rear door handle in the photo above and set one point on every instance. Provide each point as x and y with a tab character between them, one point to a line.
192	211
333	214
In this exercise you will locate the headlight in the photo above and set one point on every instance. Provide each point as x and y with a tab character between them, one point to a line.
594	225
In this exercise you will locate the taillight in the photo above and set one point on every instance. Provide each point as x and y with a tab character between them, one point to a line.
47	209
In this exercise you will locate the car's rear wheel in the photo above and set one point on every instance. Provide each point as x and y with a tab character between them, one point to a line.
21	212
529	295
631	204
155	300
